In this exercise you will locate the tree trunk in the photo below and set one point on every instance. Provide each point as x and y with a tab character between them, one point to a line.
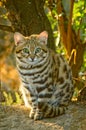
28	17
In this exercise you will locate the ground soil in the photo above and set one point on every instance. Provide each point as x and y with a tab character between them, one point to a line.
16	117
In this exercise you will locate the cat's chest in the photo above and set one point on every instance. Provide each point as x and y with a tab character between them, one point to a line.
36	78
36	74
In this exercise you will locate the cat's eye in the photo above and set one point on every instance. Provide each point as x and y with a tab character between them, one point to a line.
37	50
26	50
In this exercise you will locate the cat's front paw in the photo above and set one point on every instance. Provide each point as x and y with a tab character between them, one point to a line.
31	115
38	116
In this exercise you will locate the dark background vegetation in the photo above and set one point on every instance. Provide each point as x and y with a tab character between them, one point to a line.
65	21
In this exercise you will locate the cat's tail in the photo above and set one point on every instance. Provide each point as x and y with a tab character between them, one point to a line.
52	111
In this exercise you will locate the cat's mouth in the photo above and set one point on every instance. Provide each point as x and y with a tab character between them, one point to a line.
33	60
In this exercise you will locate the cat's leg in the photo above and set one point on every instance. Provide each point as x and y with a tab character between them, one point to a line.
32	99
33	106
39	112
25	95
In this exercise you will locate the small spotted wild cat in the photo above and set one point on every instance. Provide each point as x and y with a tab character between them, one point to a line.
46	76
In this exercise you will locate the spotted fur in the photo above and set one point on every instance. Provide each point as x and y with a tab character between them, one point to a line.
46	76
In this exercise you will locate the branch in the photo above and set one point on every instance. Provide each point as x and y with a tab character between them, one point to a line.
6	28
61	19
69	29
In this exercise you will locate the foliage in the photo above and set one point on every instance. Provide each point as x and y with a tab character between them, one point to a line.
9	98
79	17
53	18
83	68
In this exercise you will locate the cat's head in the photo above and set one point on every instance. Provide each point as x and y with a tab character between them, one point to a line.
31	49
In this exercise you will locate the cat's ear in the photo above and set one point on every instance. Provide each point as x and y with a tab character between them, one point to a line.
18	38
43	36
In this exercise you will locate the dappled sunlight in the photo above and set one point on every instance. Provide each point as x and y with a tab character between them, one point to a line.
9	76
10	83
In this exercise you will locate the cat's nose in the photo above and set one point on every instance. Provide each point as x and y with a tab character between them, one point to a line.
32	58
